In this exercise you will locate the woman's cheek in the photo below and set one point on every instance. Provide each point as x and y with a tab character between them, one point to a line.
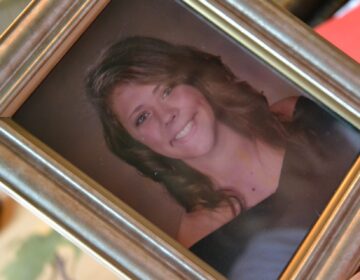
148	130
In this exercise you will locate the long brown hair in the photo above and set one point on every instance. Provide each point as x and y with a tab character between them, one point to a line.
145	60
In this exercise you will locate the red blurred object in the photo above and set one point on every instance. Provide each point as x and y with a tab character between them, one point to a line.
344	32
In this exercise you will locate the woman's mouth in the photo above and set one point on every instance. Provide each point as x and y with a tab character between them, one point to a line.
185	131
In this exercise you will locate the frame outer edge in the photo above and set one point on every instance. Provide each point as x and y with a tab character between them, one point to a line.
315	64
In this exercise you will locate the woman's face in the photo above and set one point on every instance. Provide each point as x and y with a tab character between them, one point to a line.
176	122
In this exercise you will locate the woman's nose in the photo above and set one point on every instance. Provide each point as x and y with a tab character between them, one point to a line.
170	118
168	115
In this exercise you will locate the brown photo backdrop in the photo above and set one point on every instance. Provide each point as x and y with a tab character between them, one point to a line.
59	114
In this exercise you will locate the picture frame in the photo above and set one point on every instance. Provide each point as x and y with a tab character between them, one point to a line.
93	218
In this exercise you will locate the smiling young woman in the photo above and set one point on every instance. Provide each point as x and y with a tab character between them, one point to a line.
183	119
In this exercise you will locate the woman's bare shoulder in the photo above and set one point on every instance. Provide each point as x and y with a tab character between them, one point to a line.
196	225
285	108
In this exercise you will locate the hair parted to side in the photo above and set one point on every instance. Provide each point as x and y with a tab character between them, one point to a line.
145	60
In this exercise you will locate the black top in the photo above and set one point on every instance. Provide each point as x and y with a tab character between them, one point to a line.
320	151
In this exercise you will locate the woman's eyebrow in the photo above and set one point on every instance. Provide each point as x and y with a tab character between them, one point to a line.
156	88
136	110
139	107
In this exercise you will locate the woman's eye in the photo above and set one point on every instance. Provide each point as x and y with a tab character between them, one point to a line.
167	91
142	118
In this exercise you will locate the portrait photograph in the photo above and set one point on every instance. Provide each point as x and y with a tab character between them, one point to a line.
195	133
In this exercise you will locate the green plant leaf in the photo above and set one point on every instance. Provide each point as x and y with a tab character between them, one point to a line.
34	254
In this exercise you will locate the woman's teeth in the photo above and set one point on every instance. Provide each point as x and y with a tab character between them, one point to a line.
185	130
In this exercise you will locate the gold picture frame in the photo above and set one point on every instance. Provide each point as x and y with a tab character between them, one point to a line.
93	218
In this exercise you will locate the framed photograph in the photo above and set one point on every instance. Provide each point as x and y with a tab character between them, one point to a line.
184	139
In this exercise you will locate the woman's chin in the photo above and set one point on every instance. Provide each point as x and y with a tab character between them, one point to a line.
198	150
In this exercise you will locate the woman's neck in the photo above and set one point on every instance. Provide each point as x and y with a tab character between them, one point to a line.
249	169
